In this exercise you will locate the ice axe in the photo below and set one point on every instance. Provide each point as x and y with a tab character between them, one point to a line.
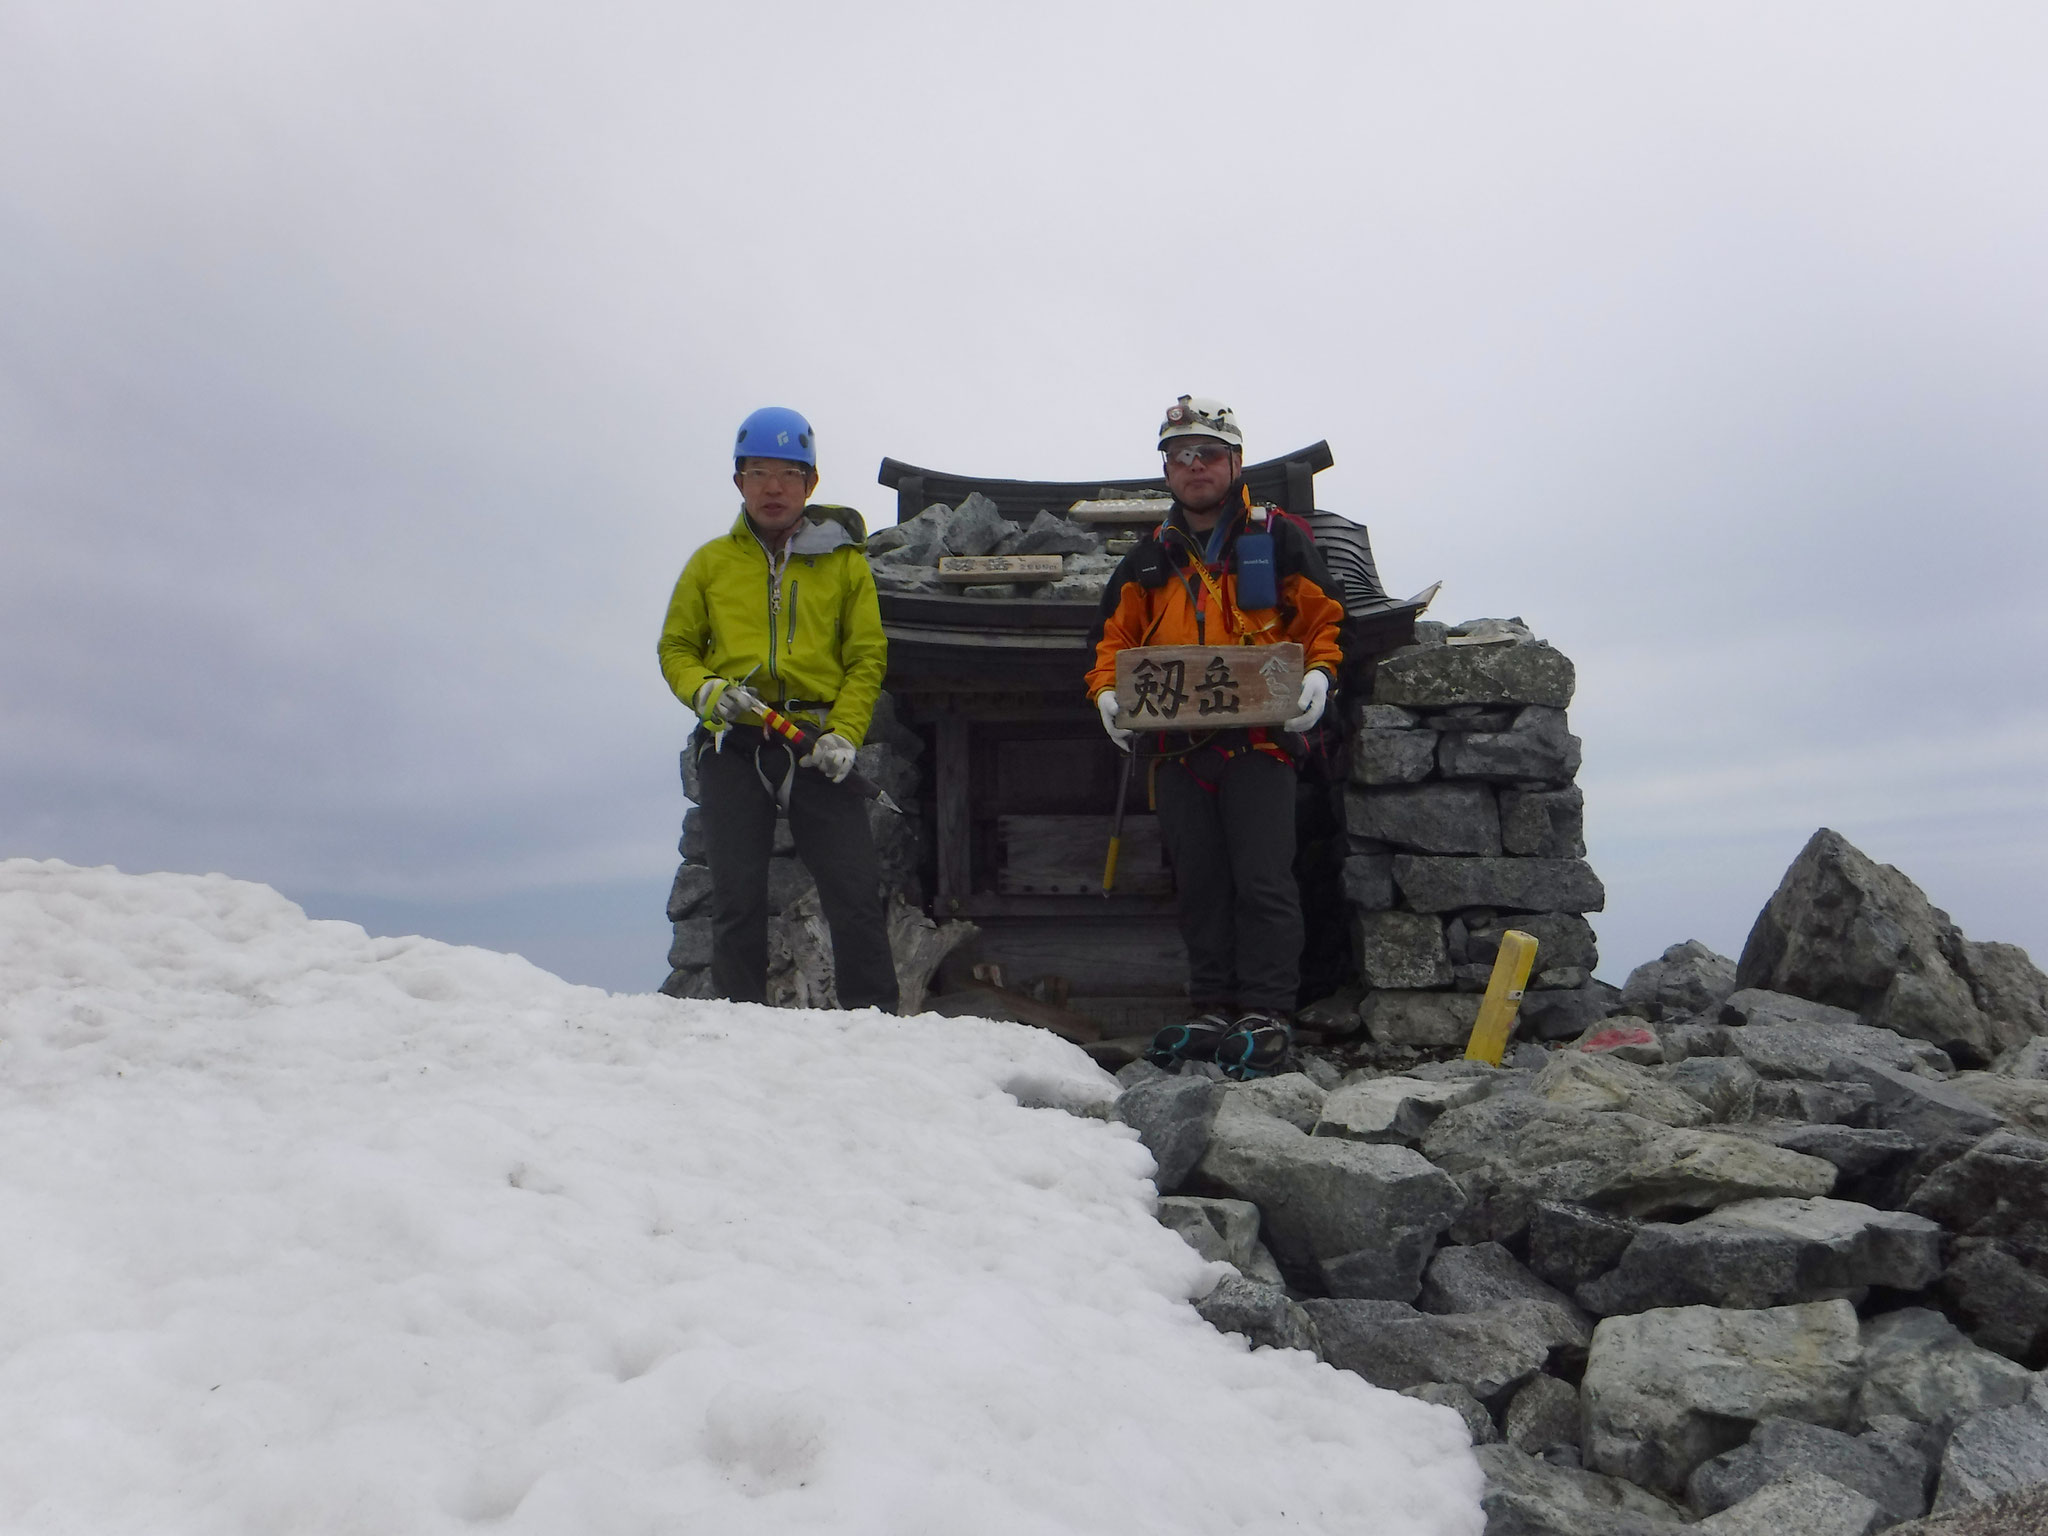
1116	830
802	741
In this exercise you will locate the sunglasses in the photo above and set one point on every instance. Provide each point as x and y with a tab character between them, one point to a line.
1193	454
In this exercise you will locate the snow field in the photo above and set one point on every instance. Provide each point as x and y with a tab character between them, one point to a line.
306	1231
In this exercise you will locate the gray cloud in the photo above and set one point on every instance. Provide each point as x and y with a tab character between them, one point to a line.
366	374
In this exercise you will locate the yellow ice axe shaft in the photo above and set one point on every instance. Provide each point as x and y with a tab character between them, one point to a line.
1504	988
1116	831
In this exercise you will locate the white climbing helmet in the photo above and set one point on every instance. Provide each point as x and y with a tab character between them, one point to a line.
1190	417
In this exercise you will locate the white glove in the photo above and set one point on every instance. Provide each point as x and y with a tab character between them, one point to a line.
1315	693
717	699
831	755
1105	706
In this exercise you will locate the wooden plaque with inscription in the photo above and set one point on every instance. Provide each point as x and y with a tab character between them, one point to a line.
969	570
1207	687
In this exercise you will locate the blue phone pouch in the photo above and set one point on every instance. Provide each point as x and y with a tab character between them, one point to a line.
1258	585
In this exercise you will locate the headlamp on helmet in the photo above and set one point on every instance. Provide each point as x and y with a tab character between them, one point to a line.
1192	417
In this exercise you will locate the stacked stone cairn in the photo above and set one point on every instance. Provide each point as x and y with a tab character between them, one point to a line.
1763	1249
905	556
1464	821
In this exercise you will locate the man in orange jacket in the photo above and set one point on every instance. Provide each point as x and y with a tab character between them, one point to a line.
1225	798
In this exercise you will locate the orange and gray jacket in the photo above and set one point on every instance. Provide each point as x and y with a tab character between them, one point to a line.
1156	597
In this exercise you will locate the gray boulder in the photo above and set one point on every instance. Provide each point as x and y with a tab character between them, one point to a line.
1921	1107
2007	985
2024	1513
1845	930
915	541
1362	1219
1263	1313
691	945
1391	757
1537	748
978	527
1726	1087
1667	1390
1769	1253
1485	1276
1542	1416
2021	1102
1563	1015
1527	1496
1888	1469
1433	883
1448	1394
1406	1017
1426	818
2000	1451
1808	1503
1820	1052
691	889
1544	823
1563	940
1432	677
1392	1345
1400	950
1686	979
2026	1061
1394	1109
1576	1080
1291	1096
1172	1116
1369	880
1855	1151
2000	1292
1917	1365
1052	535
1814	1103
1514	1149
1219	1230
1571	1244
1999	1188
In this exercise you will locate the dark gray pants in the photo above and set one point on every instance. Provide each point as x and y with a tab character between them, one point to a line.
830	825
1228	825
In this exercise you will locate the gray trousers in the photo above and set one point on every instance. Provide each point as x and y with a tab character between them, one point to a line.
1228	825
830	825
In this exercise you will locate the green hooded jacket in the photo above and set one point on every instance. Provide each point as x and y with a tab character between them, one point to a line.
807	625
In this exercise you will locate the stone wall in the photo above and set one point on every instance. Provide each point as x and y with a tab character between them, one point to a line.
1464	821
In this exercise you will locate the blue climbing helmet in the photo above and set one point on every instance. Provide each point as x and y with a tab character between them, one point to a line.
776	432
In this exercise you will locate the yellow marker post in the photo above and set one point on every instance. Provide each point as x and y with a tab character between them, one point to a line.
1511	969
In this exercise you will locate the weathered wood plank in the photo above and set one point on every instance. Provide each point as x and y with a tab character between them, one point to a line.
1063	855
953	768
970	570
1207	687
1133	510
1129	957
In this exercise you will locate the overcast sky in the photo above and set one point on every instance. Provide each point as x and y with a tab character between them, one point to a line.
368	371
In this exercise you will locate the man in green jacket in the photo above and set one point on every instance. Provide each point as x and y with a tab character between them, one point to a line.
782	610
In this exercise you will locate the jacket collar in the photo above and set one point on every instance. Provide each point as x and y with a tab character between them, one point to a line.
823	529
1237	507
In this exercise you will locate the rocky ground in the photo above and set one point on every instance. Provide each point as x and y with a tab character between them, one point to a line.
1766	1247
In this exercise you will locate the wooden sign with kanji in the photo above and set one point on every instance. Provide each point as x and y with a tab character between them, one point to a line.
1207	687
970	569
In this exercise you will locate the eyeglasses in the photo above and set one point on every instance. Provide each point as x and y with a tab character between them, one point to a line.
1197	453
774	474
